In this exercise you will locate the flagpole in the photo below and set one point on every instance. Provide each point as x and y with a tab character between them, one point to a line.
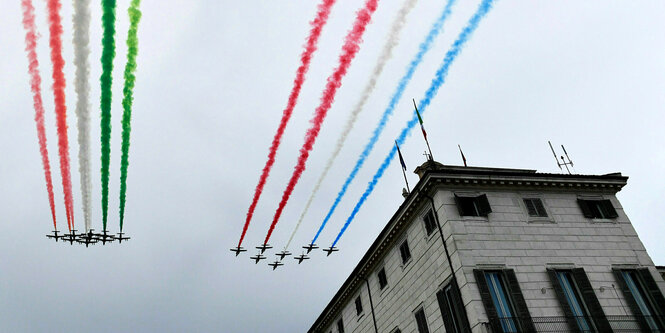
403	167
431	157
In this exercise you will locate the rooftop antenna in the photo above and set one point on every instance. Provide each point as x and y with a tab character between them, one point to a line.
563	159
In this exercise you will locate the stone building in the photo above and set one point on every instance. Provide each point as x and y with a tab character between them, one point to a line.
523	252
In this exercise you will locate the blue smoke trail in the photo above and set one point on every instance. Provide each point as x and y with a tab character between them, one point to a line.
425	46
437	82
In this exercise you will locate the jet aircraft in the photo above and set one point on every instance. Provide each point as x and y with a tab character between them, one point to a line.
105	237
301	257
55	235
120	238
87	238
237	250
264	247
283	254
258	257
310	247
330	250
275	265
71	237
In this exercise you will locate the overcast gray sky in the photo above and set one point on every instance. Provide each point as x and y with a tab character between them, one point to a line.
213	78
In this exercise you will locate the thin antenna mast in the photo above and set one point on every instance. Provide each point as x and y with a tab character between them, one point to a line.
563	159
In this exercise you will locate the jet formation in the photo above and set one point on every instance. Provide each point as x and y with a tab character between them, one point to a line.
87	238
281	255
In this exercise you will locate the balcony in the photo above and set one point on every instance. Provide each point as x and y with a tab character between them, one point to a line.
619	324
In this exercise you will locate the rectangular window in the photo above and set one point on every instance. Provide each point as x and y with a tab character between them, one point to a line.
535	207
642	299
473	205
421	321
452	309
578	300
597	209
404	251
383	279
340	326
501	301
359	306
430	222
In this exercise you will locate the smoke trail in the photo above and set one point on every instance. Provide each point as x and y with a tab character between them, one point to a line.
386	54
439	79
128	91
108	53
349	50
305	58
81	40
55	42
424	47
35	86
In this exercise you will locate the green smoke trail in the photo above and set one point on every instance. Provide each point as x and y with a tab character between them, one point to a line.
128	90
108	53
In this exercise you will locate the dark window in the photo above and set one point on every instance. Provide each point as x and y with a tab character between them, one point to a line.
597	209
644	297
340	326
430	223
404	251
421	321
535	207
473	205
359	306
383	280
503	301
452	309
579	301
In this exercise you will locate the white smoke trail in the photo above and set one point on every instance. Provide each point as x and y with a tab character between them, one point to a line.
81	20
386	54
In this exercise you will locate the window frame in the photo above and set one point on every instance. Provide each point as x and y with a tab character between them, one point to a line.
360	311
452	308
421	309
340	325
404	261
385	277
595	314
602	209
429	213
480	203
654	297
513	292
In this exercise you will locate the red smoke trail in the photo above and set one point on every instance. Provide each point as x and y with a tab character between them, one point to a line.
349	50
35	86
305	58
55	41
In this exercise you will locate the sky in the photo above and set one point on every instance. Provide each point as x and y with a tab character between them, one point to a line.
213	78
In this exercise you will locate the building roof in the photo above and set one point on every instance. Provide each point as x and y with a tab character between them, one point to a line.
433	174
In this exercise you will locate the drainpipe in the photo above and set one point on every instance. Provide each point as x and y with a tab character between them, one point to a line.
445	247
371	305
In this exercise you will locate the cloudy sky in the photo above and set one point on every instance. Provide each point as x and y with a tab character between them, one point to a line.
213	78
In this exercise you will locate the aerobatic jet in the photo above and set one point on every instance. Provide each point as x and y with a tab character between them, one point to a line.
237	250
70	237
275	265
301	257
283	254
330	250
264	247
55	235
310	247
258	257
120	238
87	238
105	237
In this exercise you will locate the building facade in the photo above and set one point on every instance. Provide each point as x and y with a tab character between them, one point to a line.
503	250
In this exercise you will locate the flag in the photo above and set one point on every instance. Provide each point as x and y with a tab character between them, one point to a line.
401	159
420	120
